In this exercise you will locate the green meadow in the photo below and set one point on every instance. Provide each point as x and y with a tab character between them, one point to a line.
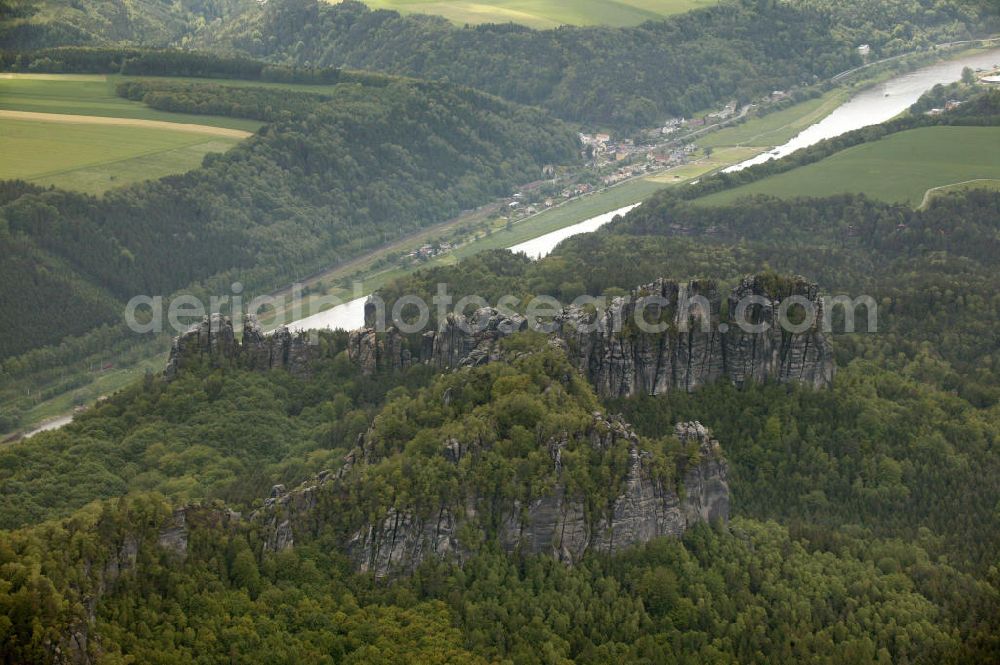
93	95
96	157
545	13
900	168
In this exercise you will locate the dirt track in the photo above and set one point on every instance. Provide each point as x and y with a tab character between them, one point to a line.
125	122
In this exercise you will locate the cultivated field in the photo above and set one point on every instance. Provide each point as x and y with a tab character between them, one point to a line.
73	132
93	95
545	13
96	157
900	168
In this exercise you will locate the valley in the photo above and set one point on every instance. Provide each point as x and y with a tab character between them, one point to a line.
714	378
467	234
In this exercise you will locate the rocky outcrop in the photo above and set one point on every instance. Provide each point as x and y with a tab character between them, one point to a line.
461	342
214	341
665	336
556	523
401	541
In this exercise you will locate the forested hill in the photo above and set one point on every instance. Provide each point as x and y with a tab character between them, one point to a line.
865	522
623	77
331	175
31	24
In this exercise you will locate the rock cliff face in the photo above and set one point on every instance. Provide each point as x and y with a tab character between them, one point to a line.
214	341
556	524
691	337
687	341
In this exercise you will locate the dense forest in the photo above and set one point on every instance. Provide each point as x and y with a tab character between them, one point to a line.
33	24
333	174
864	517
622	77
877	545
615	77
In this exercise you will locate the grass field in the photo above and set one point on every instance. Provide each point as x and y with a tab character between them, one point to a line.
719	159
991	184
73	154
95	158
545	13
92	95
900	168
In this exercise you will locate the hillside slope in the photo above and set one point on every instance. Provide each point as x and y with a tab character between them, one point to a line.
623	77
330	175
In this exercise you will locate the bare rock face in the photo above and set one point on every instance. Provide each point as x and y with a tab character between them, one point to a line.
402	540
555	524
461	342
686	342
801	356
214	341
173	536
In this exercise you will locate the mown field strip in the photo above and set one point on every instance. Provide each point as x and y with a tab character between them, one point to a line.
64	118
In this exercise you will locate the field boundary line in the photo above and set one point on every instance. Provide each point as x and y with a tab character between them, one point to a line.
65	118
929	194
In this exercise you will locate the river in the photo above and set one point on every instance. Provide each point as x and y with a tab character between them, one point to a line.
351	314
543	245
869	107
878	104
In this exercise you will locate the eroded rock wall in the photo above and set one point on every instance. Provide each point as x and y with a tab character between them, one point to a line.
555	524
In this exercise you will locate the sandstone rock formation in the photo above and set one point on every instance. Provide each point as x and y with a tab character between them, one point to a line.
214	341
688	342
556	524
692	337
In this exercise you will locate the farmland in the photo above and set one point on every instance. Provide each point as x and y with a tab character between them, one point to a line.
75	133
93	158
900	168
545	13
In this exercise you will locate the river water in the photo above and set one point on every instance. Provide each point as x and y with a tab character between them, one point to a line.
878	104
869	107
543	245
351	314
